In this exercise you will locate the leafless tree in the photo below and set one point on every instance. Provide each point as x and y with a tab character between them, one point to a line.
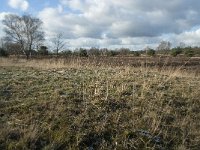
1	43
182	45
13	48
24	30
58	43
164	45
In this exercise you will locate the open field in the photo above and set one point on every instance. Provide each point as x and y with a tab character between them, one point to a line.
102	103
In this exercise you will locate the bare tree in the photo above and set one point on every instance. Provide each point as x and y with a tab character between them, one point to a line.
164	45
58	43
182	45
24	30
2	43
13	48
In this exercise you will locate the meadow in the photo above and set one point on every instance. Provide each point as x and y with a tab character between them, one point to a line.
100	103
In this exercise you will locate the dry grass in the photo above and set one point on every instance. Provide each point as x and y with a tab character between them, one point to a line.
82	104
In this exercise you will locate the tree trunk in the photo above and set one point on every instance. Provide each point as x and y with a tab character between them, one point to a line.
57	52
29	52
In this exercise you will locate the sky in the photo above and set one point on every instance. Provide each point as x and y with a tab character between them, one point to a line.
133	24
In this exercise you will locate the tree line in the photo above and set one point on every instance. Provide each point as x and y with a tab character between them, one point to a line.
24	37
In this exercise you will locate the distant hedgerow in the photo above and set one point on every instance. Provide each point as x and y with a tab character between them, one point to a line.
3	53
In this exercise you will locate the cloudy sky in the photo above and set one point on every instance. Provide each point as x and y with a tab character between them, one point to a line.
135	24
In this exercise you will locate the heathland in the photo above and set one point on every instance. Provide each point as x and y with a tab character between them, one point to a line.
100	103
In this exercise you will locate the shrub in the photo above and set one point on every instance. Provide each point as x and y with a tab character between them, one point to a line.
3	53
43	50
136	53
189	53
124	51
94	52
112	53
83	52
66	53
151	52
176	51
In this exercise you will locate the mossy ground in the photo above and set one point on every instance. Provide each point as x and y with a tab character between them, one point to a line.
98	108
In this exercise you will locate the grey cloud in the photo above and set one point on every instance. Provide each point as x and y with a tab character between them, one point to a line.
115	23
107	22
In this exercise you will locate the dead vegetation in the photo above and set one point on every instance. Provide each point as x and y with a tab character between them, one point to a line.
82	104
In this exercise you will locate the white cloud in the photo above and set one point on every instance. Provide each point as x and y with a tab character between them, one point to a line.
2	15
19	4
190	38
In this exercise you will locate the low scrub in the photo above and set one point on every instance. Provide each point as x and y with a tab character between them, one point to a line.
3	53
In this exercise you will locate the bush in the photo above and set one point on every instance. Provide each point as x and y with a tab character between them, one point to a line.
3	53
66	53
136	53
151	52
83	52
176	51
124	51
189	53
94	52
112	53
43	50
